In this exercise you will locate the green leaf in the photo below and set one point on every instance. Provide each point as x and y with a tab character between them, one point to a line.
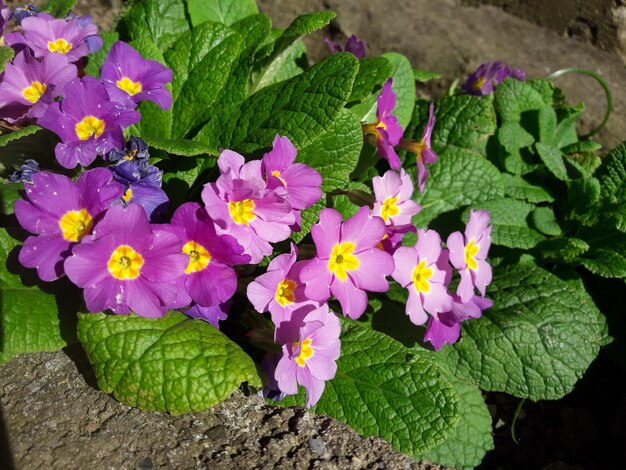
221	11
583	196
169	364
582	146
6	54
425	75
513	137
95	60
301	26
547	125
612	175
18	134
518	188
182	147
513	98
309	217
605	262
59	8
373	73
553	159
456	181
535	342
291	62
543	220
509	219
382	389
162	21
562	248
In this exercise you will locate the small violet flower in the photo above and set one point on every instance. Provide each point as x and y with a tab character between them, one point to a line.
354	45
26	11
127	264
87	121
213	314
424	271
423	150
28	85
125	73
310	349
488	76
468	254
393	194
347	262
386	129
61	212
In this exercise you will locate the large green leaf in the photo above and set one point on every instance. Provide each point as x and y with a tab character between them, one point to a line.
170	364
59	8
552	159
373	72
517	187
513	98
162	21
221	11
6	54
605	262
612	175
536	341
382	389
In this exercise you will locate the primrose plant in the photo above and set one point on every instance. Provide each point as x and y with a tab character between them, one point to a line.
239	216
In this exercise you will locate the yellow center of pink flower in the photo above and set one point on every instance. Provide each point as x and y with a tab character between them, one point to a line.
60	45
421	275
389	208
130	87
276	174
199	257
306	352
471	249
478	84
75	225
89	126
125	263
284	292
34	91
342	260
241	211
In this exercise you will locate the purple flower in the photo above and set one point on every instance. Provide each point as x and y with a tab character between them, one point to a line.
347	262
386	129
394	234
424	271
242	206
468	254
393	198
213	314
94	43
423	150
126	74
438	333
301	182
28	86
310	349
25	173
279	290
487	76
354	45
135	149
47	35
87	121
24	12
208	278
61	212
127	264
5	14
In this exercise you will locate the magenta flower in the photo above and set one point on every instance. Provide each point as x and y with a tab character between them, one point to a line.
424	271
354	45
302	183
394	234
468	254
28	86
126	73
393	198
310	349
87	121
423	150
47	35
61	212
213	314
241	206
208	278
386	129
488	76
279	290
127	265
347	262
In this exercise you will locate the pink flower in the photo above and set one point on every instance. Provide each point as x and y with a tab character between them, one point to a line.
423	151
347	263
393	198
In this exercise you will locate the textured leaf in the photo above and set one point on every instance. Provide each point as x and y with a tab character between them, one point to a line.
547	125
518	188
513	97
553	159
6	54
15	135
373	73
162	21
59	8
183	147
289	63
301	26
581	147
95	61
605	262
562	248
535	342
513	137
612	175
456	181
169	364
543	220
510	218
221	11
425	75
381	389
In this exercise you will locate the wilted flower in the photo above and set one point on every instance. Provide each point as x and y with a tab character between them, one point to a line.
422	149
25	173
354	45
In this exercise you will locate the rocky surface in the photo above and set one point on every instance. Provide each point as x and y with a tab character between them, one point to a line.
54	417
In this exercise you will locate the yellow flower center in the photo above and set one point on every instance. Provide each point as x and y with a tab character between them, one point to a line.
75	225
241	211
125	263
421	275
471	249
130	87
276	174
389	208
199	257
89	126
128	195
60	45
284	292
34	91
342	260
306	352
478	84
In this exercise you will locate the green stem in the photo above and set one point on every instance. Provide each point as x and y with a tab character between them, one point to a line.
517	412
